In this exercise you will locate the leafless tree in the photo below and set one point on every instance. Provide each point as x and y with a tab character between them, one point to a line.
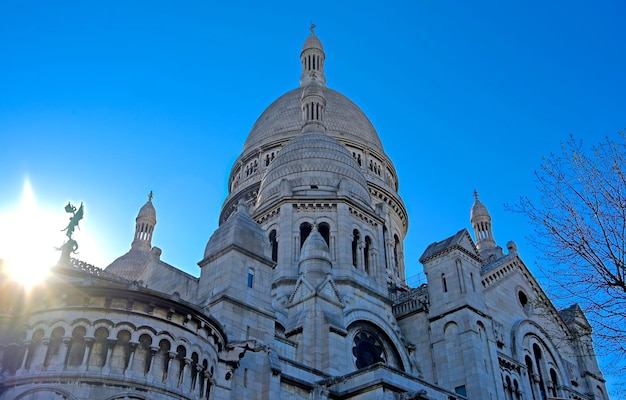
579	221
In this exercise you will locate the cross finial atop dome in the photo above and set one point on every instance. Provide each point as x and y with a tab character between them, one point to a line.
312	28
150	196
475	194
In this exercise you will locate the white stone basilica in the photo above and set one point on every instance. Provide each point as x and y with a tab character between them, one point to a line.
301	292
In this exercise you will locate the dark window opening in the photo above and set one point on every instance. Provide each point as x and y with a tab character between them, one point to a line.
250	278
355	246
305	231
324	230
274	244
366	253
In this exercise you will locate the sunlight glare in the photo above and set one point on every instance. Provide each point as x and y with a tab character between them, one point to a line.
28	236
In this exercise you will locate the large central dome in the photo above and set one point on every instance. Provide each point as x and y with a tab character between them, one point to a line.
282	120
343	121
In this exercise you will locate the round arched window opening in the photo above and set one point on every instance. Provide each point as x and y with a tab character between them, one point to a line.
367	350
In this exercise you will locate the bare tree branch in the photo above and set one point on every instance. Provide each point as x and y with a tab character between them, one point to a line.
579	223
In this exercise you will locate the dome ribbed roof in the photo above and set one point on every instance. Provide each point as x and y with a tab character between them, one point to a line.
312	42
478	208
283	120
147	211
314	161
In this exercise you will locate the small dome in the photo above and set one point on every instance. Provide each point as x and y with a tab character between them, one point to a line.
147	211
314	163
478	208
312	42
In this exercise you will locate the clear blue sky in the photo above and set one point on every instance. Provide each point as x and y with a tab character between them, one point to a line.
104	102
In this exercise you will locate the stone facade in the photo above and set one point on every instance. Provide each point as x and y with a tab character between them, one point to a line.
301	292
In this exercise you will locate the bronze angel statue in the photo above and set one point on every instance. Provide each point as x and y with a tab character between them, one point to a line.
71	246
74	219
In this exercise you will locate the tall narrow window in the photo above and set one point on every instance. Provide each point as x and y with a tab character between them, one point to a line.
554	380
542	387
305	231
385	238
274	244
324	230
444	283
396	250
366	254
531	373
355	247
250	277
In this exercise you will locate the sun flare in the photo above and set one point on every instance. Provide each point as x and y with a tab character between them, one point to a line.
28	235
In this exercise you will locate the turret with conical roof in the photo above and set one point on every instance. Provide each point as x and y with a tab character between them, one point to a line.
144	226
481	222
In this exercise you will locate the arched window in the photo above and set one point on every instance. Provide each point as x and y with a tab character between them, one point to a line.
508	389
77	347
274	244
143	355
121	352
555	382
396	251
54	347
161	361
355	247
305	231
194	370
324	230
531	373
542	382
99	347
181	353
35	344
385	239
366	254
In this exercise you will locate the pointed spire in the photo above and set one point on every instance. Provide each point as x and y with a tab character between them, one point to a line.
312	58
315	259
144	226
481	222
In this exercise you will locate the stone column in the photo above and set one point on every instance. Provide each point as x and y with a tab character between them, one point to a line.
110	343
169	371
132	346
194	382
88	346
296	248
359	255
185	373
391	265
64	350
150	373
26	354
